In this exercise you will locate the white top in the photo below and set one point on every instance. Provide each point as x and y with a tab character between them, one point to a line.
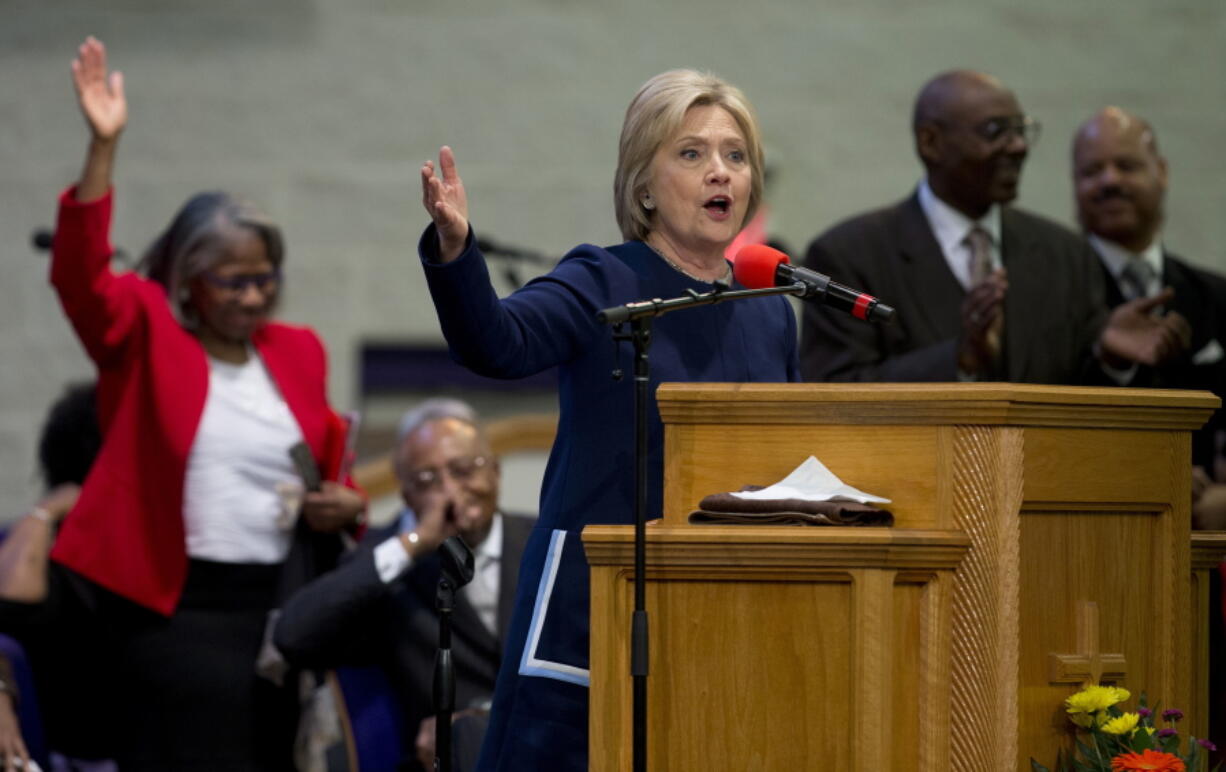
951	228
232	509
392	560
1116	258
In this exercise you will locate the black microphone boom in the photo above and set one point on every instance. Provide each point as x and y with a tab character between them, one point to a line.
819	286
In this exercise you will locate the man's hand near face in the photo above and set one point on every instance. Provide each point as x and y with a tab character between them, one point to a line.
436	521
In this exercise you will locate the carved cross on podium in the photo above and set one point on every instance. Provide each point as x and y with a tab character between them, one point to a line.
1088	666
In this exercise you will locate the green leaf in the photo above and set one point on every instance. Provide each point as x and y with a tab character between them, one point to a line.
1141	740
1088	752
1079	766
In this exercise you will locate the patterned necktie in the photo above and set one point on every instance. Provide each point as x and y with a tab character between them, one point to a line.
980	262
979	241
1136	278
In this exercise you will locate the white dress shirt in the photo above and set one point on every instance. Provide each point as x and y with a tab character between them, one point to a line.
1116	258
951	228
392	560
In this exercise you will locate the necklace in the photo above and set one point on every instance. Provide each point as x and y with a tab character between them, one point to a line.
726	278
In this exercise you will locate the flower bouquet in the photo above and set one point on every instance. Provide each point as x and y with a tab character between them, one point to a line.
1112	740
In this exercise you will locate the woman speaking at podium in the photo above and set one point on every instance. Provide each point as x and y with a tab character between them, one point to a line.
689	174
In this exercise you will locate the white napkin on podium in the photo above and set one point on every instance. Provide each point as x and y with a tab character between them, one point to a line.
812	481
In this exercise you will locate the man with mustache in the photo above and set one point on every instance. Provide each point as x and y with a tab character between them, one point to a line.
1120	182
984	291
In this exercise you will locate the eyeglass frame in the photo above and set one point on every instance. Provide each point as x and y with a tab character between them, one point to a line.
1027	127
459	469
998	130
267	282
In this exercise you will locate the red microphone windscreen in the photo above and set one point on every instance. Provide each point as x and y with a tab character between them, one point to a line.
756	264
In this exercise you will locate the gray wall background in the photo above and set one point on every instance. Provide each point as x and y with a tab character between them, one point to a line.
321	111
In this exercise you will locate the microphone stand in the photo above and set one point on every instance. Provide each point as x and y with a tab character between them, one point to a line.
513	257
457	569
639	316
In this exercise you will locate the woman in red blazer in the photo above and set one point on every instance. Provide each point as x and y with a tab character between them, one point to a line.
184	521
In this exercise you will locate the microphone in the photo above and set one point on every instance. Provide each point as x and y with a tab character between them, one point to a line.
758	266
41	238
458	565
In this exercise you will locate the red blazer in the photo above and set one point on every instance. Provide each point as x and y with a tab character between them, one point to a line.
126	532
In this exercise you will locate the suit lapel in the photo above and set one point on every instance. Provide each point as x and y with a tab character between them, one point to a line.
927	273
1025	277
1193	304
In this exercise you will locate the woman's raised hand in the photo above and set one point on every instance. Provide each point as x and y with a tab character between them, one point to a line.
445	200
100	96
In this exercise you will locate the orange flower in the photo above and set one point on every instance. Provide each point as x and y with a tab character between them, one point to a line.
1147	761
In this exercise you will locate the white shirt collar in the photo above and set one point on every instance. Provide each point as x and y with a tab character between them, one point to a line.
491	547
951	226
1116	257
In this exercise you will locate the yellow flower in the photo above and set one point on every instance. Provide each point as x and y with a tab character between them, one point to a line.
1095	698
1122	724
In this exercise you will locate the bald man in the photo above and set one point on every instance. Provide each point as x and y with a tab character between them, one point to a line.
983	290
1120	182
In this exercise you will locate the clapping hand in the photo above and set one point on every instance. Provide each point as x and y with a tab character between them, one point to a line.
445	200
1133	335
982	322
99	95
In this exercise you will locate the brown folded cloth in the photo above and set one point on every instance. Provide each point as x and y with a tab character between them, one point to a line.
726	509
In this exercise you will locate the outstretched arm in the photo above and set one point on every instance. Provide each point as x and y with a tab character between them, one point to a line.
101	99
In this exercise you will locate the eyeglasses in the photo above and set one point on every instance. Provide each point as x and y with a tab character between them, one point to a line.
460	469
264	282
999	130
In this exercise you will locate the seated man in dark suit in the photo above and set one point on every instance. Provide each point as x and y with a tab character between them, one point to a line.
379	607
941	256
1120	180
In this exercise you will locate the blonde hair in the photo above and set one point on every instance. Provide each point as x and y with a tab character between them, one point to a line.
655	114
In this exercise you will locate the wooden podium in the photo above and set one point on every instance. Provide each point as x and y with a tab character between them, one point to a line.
1041	540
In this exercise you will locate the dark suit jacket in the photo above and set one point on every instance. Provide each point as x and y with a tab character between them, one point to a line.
1053	311
350	617
1200	296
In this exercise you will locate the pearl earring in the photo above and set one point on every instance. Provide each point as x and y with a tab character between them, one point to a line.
648	204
